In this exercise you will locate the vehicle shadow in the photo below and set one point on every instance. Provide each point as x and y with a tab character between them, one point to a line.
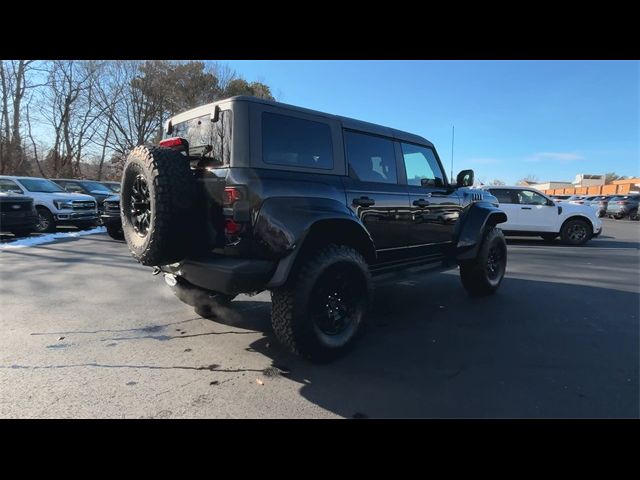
599	242
432	351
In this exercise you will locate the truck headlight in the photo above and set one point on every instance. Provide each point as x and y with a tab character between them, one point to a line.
63	204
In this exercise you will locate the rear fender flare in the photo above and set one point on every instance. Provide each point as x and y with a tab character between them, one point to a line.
285	225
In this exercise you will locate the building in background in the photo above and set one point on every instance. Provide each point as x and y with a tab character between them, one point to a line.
551	185
588	180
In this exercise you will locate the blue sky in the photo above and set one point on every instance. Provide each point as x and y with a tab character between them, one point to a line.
552	119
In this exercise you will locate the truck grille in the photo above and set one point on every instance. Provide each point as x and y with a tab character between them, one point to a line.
14	207
111	207
83	205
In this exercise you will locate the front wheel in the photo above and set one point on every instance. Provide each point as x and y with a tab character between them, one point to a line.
321	309
576	232
482	275
46	222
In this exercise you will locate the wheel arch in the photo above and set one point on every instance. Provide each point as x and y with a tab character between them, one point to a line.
577	216
323	232
469	230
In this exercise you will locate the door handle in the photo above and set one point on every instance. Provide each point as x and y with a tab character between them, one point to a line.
526	208
421	202
364	201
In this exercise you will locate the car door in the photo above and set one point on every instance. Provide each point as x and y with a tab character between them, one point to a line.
373	190
508	201
435	208
536	212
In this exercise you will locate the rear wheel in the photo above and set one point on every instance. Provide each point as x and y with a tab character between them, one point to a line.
483	275
157	197
321	309
115	231
576	231
46	222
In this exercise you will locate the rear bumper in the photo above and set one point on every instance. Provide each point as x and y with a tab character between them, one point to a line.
227	275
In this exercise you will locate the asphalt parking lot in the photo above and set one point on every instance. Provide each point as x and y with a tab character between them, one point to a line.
87	332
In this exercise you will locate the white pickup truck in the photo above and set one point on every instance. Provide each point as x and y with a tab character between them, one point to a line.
530	212
54	205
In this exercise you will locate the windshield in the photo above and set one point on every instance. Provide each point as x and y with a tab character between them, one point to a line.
40	185
114	187
95	187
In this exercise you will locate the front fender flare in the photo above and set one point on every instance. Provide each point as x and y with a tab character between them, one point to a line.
470	228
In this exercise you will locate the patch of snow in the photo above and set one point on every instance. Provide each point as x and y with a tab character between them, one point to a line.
51	237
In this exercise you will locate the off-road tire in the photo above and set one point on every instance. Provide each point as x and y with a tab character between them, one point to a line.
115	231
171	191
567	231
296	306
48	216
477	277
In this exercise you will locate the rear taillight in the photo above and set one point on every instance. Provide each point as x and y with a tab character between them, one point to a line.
177	143
231	227
232	195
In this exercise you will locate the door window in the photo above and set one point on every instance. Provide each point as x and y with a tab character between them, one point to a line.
503	195
528	197
8	186
422	166
371	158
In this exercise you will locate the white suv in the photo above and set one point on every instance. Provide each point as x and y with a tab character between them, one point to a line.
530	212
54	205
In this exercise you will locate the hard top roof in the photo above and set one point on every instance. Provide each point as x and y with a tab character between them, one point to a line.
350	123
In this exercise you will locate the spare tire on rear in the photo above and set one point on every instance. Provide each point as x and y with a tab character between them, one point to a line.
157	205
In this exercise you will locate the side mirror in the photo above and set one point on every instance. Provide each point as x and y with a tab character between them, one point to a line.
551	203
465	178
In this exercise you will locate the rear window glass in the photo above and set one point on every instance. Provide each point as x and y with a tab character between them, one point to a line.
212	140
296	142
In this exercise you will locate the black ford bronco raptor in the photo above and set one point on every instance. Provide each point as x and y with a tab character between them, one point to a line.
245	195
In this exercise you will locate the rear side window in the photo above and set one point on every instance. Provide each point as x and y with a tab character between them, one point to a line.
371	159
296	142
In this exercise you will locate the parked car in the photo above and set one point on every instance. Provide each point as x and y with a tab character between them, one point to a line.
89	187
530	212
560	198
245	195
54	205
113	186
17	212
622	206
600	204
111	217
